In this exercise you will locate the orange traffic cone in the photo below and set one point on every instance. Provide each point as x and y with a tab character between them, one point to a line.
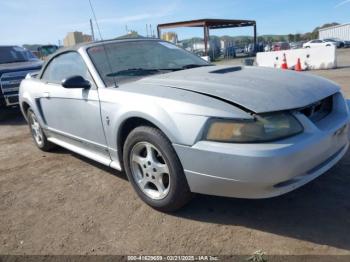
298	66
284	64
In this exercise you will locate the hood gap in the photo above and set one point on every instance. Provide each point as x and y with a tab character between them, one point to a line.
218	98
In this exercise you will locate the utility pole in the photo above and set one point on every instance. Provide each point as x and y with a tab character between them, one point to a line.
92	31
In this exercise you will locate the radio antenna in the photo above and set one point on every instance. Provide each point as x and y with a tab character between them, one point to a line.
94	14
101	38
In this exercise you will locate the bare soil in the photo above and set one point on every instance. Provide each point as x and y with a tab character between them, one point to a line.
61	203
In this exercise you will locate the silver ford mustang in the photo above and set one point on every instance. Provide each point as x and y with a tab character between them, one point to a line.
178	125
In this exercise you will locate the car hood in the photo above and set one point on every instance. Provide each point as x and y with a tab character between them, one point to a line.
256	89
28	65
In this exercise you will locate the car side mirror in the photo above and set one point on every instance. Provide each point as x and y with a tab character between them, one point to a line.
76	82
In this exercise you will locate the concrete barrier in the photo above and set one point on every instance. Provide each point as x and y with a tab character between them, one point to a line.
310	58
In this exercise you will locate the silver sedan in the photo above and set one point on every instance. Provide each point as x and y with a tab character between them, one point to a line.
178	125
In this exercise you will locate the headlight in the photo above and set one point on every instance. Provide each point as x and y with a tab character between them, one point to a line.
264	128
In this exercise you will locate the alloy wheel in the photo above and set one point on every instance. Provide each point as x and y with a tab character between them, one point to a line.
36	129
150	170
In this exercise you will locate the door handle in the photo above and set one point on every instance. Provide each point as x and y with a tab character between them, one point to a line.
46	94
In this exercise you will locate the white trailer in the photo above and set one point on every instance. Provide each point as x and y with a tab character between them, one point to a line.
339	31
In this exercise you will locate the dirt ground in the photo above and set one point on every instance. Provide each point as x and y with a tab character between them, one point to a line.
61	203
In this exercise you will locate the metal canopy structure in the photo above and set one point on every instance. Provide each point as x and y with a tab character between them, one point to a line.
208	24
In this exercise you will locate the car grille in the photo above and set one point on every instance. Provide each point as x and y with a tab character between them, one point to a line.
9	84
318	110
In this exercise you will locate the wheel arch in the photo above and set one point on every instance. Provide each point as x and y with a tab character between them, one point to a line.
24	108
26	100
129	124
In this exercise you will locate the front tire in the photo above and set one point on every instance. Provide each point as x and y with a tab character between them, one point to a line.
38	134
154	169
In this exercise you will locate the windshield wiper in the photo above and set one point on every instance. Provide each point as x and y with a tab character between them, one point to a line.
137	71
189	66
142	71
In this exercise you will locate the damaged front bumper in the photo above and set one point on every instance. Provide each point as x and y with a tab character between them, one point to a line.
266	169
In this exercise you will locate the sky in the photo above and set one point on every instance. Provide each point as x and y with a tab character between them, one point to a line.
48	21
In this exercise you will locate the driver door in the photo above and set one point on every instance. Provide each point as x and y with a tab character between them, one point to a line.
72	115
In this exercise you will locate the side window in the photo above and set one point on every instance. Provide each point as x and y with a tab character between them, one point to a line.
64	66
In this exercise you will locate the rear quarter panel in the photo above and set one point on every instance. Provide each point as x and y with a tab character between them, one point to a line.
29	91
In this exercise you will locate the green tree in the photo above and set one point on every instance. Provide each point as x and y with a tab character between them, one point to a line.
291	38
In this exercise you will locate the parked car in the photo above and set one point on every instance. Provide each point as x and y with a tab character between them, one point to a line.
280	46
343	43
249	49
177	124
239	49
318	43
213	49
268	47
296	45
337	43
230	52
15	63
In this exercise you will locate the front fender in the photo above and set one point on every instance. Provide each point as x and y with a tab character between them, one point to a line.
179	114
178	127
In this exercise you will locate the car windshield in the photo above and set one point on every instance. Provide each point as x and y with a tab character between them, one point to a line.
120	61
14	54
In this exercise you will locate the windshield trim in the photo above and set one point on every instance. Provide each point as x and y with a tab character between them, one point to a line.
97	71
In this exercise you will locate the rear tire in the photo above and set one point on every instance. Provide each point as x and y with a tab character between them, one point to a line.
154	170
37	133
